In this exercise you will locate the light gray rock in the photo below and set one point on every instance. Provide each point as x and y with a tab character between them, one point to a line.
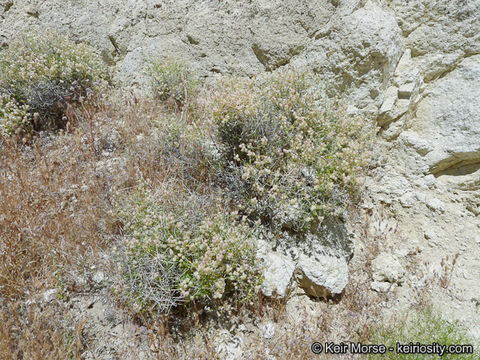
50	295
318	262
406	91
407	200
277	276
439	33
357	52
380	286
435	204
322	275
430	180
470	181
213	36
387	112
401	97
429	234
450	116
386	268
99	277
268	330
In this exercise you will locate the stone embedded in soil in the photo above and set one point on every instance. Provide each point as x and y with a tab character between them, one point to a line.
277	275
322	276
387	268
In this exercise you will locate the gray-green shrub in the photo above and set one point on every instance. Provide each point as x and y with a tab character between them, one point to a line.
207	252
290	156
174	81
40	75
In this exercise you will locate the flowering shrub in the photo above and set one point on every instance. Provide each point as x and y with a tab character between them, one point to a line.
290	156
173	81
281	159
207	253
41	75
13	117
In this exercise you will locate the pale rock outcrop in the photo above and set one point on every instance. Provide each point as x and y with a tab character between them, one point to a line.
401	96
357	53
50	295
317	263
439	33
450	118
214	36
322	275
278	274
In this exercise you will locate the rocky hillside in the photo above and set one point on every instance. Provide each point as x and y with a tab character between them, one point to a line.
410	66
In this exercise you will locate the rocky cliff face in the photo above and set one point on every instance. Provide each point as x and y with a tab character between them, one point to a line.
412	65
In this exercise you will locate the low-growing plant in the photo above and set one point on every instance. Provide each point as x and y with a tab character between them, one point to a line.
290	156
424	327
188	248
40	76
174	82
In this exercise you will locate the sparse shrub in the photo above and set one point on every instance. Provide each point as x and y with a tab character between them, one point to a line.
174	82
290	156
182	148
40	76
424	327
151	280
204	251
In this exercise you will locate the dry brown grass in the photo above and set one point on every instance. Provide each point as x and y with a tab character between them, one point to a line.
52	207
54	215
37	333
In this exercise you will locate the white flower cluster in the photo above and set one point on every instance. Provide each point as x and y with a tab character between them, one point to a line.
13	117
214	256
292	148
38	72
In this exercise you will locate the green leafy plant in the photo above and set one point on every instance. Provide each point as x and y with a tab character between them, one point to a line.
40	76
424	327
174	82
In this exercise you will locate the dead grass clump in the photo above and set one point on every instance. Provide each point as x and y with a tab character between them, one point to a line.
37	333
54	216
52	207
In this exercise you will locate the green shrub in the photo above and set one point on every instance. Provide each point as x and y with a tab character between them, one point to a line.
424	327
173	81
204	252
290	156
41	75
